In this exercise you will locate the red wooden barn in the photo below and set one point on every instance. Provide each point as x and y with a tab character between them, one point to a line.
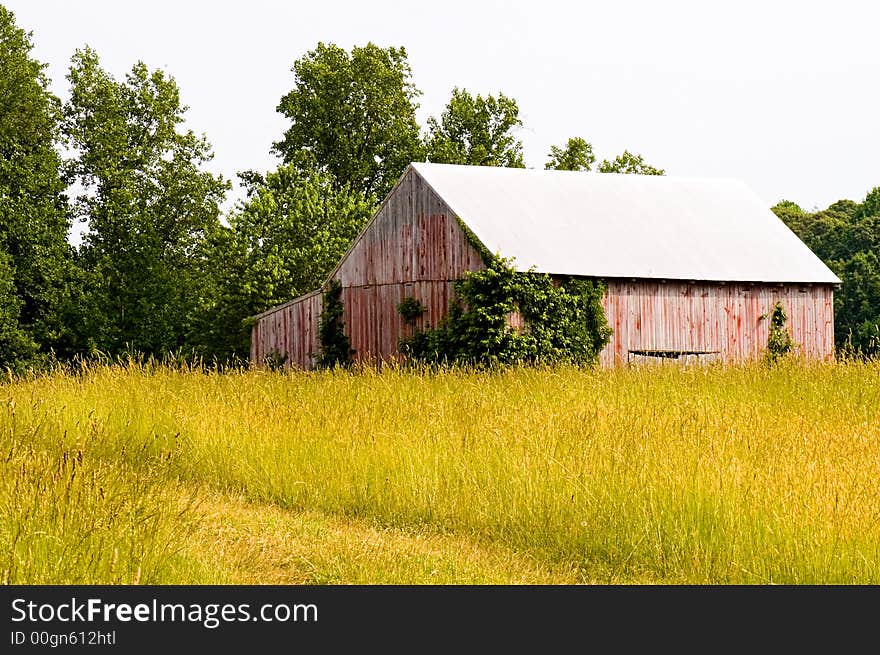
692	266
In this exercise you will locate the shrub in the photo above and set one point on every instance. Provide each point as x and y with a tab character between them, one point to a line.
501	316
410	309
779	343
335	346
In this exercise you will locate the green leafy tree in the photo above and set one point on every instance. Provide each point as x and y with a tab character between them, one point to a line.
148	204
35	256
790	212
576	155
870	206
630	164
857	303
476	131
282	242
353	115
17	349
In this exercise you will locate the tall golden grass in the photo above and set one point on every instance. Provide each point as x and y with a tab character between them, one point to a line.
749	474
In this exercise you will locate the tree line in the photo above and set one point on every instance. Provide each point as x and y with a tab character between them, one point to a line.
161	270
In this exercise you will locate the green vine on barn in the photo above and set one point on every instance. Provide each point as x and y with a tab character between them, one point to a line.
502	316
410	309
335	346
779	342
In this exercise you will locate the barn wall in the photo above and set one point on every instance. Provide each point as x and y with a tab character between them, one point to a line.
290	330
414	237
646	315
374	324
643	316
414	247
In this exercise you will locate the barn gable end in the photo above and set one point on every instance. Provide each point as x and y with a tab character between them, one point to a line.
413	247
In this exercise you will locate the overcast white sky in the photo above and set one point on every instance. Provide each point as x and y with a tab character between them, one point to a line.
783	95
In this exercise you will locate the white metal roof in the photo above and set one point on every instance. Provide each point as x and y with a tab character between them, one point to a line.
628	226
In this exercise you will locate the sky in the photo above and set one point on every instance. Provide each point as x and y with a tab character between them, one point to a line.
782	95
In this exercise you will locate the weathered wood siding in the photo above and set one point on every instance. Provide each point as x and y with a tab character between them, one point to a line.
414	237
289	331
413	247
648	315
644	315
375	327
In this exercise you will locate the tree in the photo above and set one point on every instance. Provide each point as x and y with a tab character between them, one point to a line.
17	349
870	206
476	131
857	303
147	201
352	116
630	164
282	242
577	155
35	258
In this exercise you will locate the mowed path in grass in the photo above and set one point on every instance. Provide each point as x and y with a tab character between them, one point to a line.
705	475
69	518
241	542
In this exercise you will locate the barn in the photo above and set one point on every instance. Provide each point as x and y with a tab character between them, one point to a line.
692	266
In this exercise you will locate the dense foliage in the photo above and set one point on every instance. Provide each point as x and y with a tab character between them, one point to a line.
629	164
35	258
502	316
352	115
779	342
846	236
148	204
335	346
577	155
410	309
281	242
476	131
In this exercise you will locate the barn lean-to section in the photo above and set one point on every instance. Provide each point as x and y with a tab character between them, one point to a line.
692	267
289	332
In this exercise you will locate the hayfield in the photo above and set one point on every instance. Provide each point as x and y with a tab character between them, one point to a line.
155	474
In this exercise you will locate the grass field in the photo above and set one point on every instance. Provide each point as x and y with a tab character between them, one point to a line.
650	475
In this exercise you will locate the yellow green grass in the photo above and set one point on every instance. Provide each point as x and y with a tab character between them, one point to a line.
702	475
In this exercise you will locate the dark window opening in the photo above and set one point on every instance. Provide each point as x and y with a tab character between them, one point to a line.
669	353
